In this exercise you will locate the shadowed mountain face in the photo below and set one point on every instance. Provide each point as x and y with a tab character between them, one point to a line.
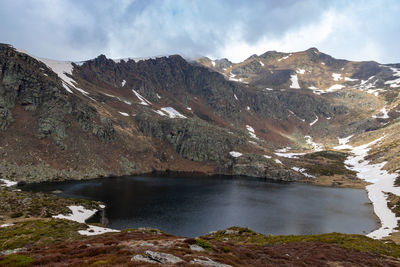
103	117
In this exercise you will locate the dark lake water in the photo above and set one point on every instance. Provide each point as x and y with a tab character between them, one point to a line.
194	206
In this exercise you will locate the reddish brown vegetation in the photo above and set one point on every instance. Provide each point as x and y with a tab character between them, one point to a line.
118	249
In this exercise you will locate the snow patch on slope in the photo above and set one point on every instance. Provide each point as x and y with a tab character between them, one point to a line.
336	76
123	114
316	90
369	86
285	57
251	131
113	96
289	155
159	112
8	183
173	113
6	225
315	146
396	82
383	114
381	181
285	149
80	215
96	230
295	82
303	171
235	154
82	91
59	67
343	143
232	78
347	79
396	72
335	87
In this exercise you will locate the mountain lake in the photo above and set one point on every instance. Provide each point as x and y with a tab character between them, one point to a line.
192	205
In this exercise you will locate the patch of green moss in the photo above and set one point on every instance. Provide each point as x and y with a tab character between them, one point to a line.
226	249
15	260
101	263
357	242
204	244
152	231
129	230
41	232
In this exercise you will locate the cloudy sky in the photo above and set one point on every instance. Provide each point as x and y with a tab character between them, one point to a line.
83	29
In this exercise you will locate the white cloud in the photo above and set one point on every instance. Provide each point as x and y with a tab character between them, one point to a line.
76	30
313	35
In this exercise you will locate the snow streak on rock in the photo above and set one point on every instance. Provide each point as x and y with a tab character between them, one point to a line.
251	131
314	122
143	101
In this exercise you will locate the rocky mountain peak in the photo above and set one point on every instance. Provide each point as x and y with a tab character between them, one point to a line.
254	56
312	49
272	55
223	63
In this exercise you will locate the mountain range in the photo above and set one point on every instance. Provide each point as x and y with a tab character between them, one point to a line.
104	117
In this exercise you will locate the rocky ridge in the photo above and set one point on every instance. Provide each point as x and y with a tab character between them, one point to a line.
104	117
